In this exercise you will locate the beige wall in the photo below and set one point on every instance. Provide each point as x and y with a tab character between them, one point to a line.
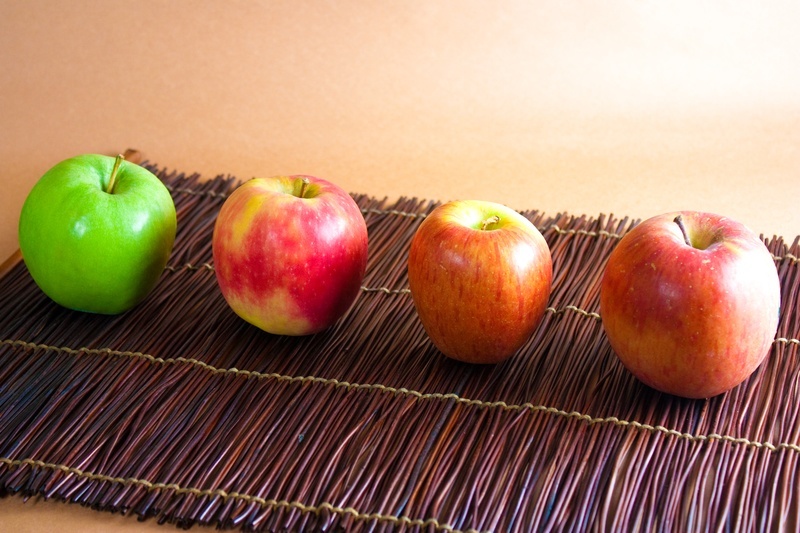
625	107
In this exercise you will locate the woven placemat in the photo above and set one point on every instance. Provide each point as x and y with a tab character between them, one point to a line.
181	411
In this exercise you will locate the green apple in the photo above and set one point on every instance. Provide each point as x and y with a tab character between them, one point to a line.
96	233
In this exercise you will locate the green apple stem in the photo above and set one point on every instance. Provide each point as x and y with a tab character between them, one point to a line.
112	181
303	186
494	219
679	221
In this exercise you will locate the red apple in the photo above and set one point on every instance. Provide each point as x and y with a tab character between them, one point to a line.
290	253
690	303
480	276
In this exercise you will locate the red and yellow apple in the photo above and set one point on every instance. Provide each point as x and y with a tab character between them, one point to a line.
690	303
290	253
480	276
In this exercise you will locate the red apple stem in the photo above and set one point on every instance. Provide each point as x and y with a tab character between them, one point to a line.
679	221
303	187
494	219
112	181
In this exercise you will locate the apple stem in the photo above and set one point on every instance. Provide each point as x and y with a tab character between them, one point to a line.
112	181
303	186
494	219
679	221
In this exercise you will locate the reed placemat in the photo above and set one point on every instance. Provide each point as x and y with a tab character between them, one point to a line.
181	411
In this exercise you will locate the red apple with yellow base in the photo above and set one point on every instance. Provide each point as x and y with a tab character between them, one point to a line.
690	303
480	276
290	253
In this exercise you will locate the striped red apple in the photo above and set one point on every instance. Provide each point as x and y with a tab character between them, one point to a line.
689	302
290	253
480	276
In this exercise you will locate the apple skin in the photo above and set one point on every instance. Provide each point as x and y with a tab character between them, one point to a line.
692	321
479	293
287	264
91	250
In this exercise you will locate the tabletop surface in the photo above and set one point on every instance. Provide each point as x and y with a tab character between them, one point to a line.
636	109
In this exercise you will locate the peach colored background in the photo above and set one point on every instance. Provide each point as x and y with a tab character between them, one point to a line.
628	107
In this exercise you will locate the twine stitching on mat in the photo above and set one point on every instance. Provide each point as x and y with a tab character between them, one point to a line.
591	420
407	214
387	290
194	192
555	227
210	268
249	498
